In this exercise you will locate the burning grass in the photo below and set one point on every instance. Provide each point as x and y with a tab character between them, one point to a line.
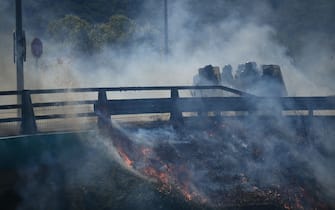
206	164
226	164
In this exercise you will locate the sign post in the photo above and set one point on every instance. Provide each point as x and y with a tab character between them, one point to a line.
19	49
166	29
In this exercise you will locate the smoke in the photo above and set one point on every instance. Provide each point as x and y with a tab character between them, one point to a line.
213	162
250	149
271	156
316	59
241	35
6	62
233	41
81	171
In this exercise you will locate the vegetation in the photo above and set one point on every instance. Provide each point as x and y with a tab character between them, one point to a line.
112	22
88	37
118	31
71	29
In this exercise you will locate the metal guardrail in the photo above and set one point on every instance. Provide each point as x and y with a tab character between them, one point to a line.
175	105
212	104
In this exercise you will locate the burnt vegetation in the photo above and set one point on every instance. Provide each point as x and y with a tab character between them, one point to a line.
246	160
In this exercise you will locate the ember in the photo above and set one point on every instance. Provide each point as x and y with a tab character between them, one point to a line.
125	158
221	166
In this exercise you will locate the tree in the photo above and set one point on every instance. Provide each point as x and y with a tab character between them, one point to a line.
72	30
117	32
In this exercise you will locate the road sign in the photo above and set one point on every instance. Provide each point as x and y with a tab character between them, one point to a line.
36	48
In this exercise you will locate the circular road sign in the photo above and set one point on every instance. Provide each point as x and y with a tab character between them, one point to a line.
36	47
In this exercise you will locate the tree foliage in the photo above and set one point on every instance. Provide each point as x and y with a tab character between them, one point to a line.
118	31
111	22
71	29
88	37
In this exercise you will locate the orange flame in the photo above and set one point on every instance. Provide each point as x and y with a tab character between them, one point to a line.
126	159
179	177
165	175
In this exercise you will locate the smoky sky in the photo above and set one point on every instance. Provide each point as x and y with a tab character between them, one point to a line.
295	34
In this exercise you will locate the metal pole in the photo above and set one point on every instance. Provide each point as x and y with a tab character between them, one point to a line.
19	49
166	25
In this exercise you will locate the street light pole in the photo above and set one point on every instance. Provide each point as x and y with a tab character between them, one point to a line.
166	32
19	48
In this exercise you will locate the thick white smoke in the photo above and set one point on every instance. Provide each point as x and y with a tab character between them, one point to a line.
233	41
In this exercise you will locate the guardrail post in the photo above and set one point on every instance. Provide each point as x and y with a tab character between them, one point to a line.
28	121
176	117
101	109
310	113
309	126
